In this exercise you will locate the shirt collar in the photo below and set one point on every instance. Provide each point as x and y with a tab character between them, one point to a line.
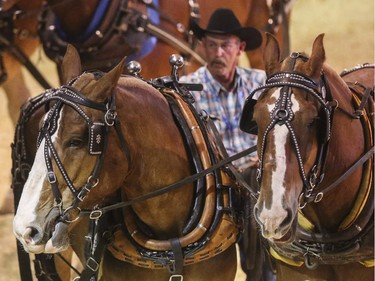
216	86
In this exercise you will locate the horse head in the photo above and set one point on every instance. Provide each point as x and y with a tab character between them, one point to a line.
290	115
69	159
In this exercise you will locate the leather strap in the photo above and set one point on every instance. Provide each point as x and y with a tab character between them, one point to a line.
93	262
352	168
178	184
23	59
177	266
223	152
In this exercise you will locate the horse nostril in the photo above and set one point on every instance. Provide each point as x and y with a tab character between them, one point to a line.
32	235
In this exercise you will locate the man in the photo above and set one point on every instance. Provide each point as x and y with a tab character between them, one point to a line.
225	88
225	84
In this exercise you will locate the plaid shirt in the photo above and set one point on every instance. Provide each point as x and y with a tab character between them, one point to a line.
225	107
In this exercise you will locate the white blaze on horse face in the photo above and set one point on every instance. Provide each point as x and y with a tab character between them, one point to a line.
272	217
29	212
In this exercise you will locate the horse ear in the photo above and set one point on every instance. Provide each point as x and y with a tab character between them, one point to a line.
271	55
315	63
102	88
71	64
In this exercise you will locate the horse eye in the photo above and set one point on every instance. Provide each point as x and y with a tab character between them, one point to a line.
312	122
76	142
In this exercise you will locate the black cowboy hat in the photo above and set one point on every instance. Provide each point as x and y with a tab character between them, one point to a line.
223	21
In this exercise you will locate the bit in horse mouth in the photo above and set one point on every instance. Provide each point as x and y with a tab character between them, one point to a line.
52	220
51	227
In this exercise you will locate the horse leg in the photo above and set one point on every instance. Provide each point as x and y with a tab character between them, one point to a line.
17	93
7	206
64	270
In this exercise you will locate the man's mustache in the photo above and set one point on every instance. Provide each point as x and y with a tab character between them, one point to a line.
218	61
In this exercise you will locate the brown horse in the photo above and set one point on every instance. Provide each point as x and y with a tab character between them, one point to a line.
102	41
315	143
117	137
18	41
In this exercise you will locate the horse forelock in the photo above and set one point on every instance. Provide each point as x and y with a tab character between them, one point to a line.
84	80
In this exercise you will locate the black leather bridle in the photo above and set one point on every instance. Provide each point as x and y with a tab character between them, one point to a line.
98	139
282	114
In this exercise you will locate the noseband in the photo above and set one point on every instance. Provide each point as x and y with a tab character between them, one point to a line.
98	139
283	114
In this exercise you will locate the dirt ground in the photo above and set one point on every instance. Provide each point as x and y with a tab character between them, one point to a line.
349	40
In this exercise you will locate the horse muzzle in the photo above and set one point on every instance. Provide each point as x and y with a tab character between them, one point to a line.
50	238
276	227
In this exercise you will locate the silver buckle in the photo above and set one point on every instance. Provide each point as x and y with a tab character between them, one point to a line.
92	264
176	277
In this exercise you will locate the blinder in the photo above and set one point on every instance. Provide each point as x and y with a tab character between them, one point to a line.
97	133
247	124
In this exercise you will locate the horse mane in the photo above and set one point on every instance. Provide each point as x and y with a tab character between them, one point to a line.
339	89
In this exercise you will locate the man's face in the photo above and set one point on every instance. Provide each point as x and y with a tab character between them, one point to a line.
222	54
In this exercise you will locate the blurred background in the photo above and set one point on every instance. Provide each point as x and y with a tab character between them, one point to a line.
349	40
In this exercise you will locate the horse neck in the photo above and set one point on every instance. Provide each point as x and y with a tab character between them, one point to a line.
74	16
346	145
159	158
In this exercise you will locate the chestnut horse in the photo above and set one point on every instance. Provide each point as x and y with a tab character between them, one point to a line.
18	41
188	231
149	31
315	143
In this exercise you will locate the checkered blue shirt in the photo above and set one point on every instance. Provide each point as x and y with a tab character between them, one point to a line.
225	107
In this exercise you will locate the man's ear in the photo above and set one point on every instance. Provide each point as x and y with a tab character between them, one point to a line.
242	46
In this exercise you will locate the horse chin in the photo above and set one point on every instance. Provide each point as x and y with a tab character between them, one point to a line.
35	249
59	240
